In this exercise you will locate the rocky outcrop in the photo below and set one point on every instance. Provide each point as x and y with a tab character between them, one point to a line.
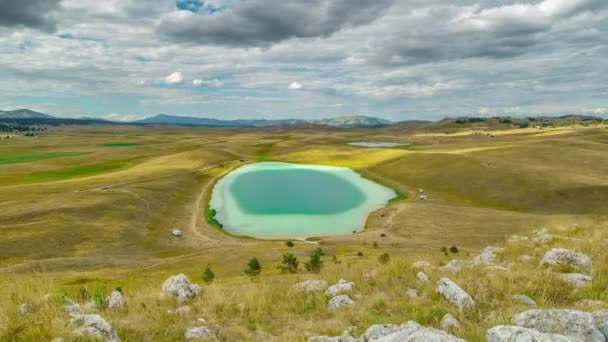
601	321
509	333
572	323
523	299
94	326
449	323
72	308
180	287
488	256
407	332
340	301
115	300
561	256
310	286
340	287
200	333
455	295
577	280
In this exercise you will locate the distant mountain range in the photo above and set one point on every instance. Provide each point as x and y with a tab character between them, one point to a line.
343	122
29	117
23	114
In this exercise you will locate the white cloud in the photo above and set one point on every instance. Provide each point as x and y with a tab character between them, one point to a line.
598	110
295	86
175	78
207	83
121	117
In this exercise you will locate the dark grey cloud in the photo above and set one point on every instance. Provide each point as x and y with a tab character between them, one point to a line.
503	31
39	14
262	22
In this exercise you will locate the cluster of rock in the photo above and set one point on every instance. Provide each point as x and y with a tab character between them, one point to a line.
179	286
89	324
335	292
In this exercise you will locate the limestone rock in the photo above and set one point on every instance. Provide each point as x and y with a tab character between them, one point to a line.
572	323
542	236
25	309
115	300
176	232
200	333
414	332
378	331
412	293
562	256
340	301
94	326
518	238
509	333
311	286
488	256
523	299
340	287
455	295
72	308
449	323
422	277
346	337
454	266
601	321
180	287
577	280
422	264
370	276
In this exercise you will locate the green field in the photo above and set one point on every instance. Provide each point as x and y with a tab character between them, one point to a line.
121	144
104	220
18	158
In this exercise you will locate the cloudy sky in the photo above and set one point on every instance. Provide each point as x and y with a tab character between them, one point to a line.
396	59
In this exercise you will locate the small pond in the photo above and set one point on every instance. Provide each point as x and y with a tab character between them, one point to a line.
293	200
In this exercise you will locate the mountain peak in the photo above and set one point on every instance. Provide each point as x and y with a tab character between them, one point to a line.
23	114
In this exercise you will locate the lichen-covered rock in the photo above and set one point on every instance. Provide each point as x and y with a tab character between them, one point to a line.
115	300
340	301
200	333
572	323
94	326
310	286
340	287
577	280
422	277
488	256
449	323
378	331
509	333
179	286
454	266
455	295
562	256
523	299
25	309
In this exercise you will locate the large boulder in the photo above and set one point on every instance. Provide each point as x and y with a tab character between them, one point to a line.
200	333
572	323
488	256
115	300
340	301
94	326
455	295
509	333
577	280
340	287
310	286
562	256
179	286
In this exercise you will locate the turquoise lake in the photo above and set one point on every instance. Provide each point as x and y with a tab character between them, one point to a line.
293	200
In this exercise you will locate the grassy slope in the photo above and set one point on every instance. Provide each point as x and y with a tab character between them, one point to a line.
119	236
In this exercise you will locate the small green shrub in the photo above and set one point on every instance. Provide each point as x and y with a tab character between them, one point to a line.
289	243
453	249
208	275
384	258
253	267
289	264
